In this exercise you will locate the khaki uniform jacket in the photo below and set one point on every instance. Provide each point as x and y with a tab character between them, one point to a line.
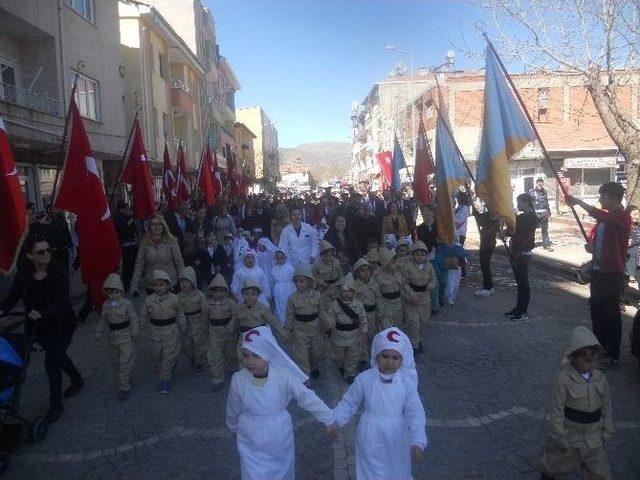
412	275
389	282
307	303
163	308
192	302
571	390
338	316
328	274
221	312
163	256
368	293
246	318
116	313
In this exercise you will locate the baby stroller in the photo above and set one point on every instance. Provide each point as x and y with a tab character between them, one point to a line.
14	358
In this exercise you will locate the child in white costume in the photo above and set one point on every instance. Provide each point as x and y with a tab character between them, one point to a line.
257	408
265	251
247	269
282	284
392	428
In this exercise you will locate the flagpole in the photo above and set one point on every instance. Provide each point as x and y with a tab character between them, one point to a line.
64	137
535	131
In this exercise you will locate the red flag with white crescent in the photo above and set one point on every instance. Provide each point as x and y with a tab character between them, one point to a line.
205	179
137	173
81	191
13	212
384	162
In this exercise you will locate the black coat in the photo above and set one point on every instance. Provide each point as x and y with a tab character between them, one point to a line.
219	259
49	297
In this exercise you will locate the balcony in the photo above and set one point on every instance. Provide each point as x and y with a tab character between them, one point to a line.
22	97
181	98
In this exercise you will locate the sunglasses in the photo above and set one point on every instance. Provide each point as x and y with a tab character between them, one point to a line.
44	251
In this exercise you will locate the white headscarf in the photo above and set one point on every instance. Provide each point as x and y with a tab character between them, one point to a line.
265	259
393	338
260	340
391	238
286	256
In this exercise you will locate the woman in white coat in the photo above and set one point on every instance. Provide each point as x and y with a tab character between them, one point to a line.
282	284
257	408
391	430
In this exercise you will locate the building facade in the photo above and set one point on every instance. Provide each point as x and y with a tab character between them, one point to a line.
265	145
44	48
244	146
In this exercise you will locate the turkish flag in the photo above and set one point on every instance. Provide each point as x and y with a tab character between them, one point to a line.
423	168
137	173
182	180
205	180
384	161
232	175
13	212
217	183
168	181
81	191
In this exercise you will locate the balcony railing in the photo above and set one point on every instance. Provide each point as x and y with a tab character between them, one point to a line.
181	85
41	102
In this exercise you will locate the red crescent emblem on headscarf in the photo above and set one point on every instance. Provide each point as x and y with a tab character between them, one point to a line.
391	336
247	336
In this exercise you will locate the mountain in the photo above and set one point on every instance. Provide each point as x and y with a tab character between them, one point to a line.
324	160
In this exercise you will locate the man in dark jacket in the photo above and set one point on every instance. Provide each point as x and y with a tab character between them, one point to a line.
543	212
127	236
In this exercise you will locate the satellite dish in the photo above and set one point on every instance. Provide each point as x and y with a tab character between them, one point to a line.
451	54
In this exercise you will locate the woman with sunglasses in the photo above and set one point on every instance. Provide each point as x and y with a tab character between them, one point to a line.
43	285
159	250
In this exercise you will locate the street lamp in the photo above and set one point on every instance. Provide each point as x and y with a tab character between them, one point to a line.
394	49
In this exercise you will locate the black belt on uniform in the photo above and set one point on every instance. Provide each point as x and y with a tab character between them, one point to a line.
119	326
343	327
331	282
310	317
578	416
369	308
243	329
163	323
391	295
195	312
219	322
418	288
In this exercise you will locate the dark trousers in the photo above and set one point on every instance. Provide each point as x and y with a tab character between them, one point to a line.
485	254
543	222
606	319
463	267
520	267
129	254
56	361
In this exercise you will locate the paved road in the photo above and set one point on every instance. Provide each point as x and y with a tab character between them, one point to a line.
484	381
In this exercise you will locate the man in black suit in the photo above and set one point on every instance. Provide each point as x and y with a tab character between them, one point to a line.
180	222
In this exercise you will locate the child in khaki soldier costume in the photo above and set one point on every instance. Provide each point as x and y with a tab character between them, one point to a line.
194	306
222	340
347	324
374	260
419	279
163	311
390	281
368	292
303	322
120	316
580	414
251	313
327	272
403	253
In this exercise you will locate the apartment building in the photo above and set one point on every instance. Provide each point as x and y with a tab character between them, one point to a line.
265	145
245	153
44	47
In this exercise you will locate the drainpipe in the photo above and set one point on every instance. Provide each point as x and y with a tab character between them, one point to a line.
62	66
143	85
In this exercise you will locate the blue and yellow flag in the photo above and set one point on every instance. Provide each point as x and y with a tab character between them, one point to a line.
450	175
505	132
397	162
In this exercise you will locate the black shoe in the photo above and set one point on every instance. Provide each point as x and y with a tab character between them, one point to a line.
123	395
349	379
434	312
544	476
53	415
511	313
315	373
519	316
74	388
216	387
341	370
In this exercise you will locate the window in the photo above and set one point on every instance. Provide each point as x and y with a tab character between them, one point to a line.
83	7
88	97
9	79
543	104
162	65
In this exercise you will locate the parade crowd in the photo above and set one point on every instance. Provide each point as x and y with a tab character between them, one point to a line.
237	286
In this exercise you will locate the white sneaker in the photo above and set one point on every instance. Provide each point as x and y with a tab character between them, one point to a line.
481	292
450	302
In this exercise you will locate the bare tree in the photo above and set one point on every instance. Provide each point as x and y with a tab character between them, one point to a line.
596	39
